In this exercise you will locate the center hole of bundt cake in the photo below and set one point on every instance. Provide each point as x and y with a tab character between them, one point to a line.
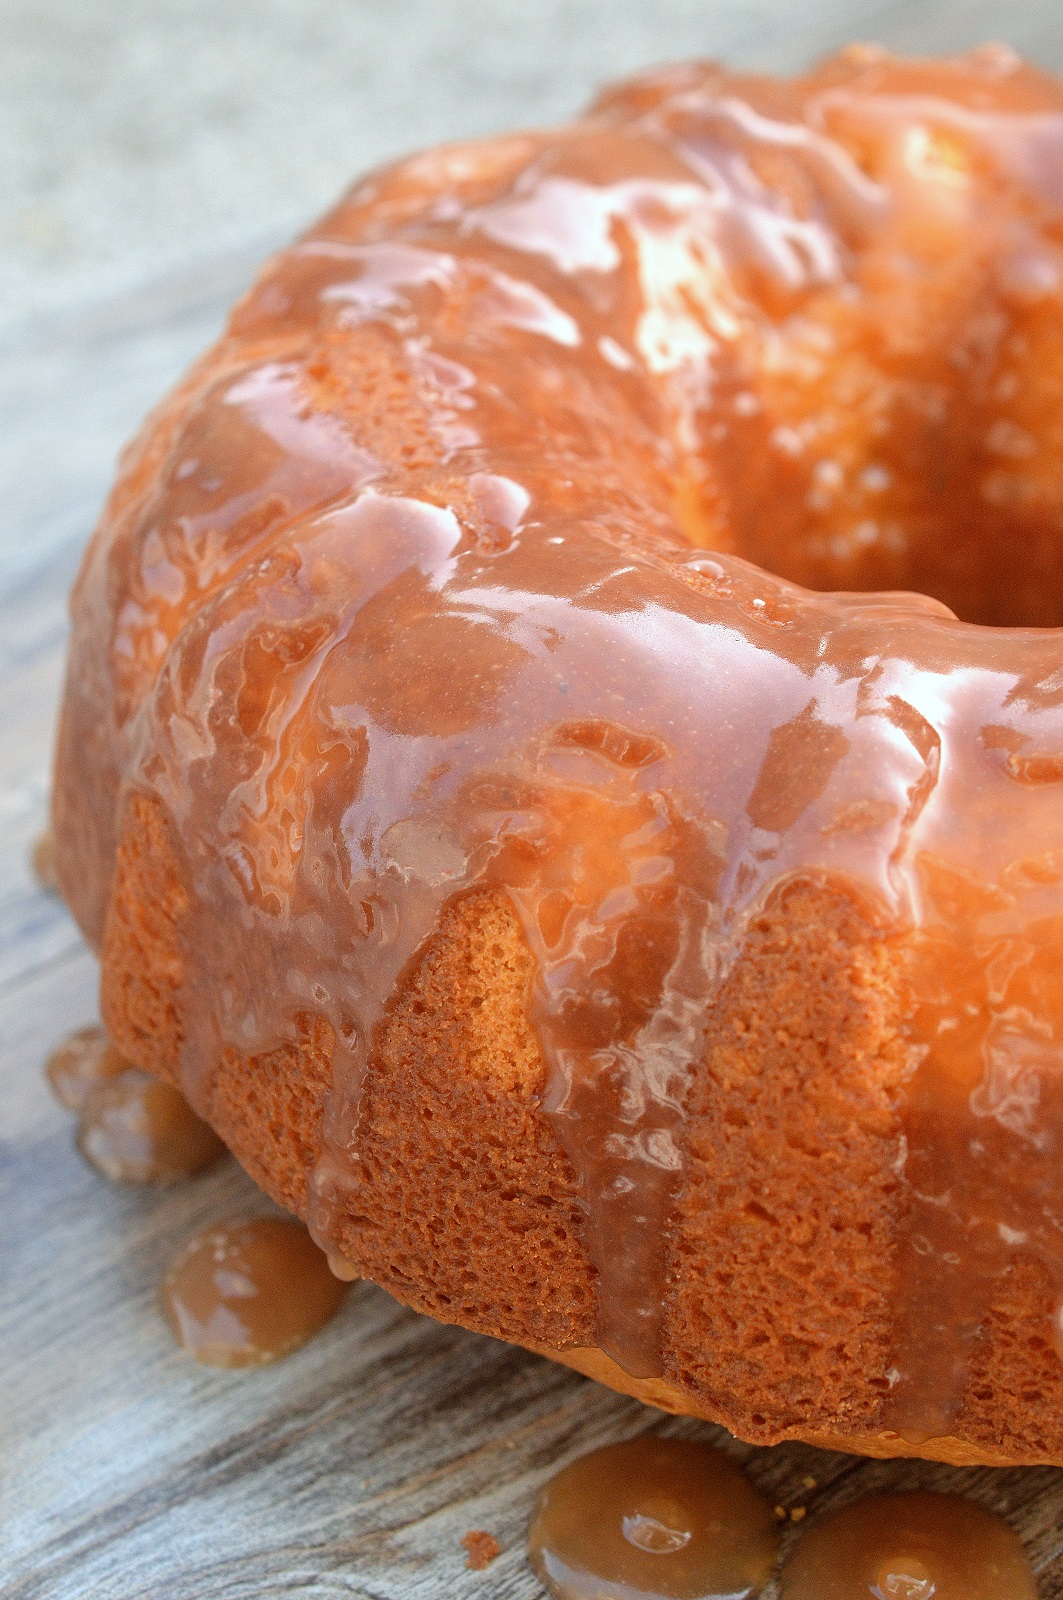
913	484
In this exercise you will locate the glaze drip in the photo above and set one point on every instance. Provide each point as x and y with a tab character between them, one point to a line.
431	578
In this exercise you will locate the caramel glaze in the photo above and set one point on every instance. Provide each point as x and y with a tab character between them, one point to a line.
84	1061
909	1547
652	1519
131	1127
134	1129
470	557
249	1292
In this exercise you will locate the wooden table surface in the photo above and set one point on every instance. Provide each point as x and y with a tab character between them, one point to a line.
354	1467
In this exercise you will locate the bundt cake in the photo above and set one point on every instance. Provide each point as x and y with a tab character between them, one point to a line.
516	800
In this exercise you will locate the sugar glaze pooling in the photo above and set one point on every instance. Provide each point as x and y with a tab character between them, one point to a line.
913	1546
652	1519
131	1127
506	635
248	1291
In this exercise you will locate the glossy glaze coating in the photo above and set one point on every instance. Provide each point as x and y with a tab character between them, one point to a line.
469	560
652	1519
85	1060
249	1292
131	1127
134	1129
909	1547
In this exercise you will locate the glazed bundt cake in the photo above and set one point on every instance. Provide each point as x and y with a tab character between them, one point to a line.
515	801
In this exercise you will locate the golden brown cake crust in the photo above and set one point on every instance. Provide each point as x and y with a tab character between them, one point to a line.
469	1208
602	941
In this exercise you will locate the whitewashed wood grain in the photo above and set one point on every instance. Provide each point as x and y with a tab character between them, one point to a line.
353	1468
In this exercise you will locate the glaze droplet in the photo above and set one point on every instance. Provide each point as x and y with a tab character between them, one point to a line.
652	1519
135	1129
914	1546
85	1060
343	1269
249	1292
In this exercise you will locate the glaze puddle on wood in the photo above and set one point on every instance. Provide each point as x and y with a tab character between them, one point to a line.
653	1519
909	1547
247	1292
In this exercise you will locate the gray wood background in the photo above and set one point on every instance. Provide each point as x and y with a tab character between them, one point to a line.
354	1467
